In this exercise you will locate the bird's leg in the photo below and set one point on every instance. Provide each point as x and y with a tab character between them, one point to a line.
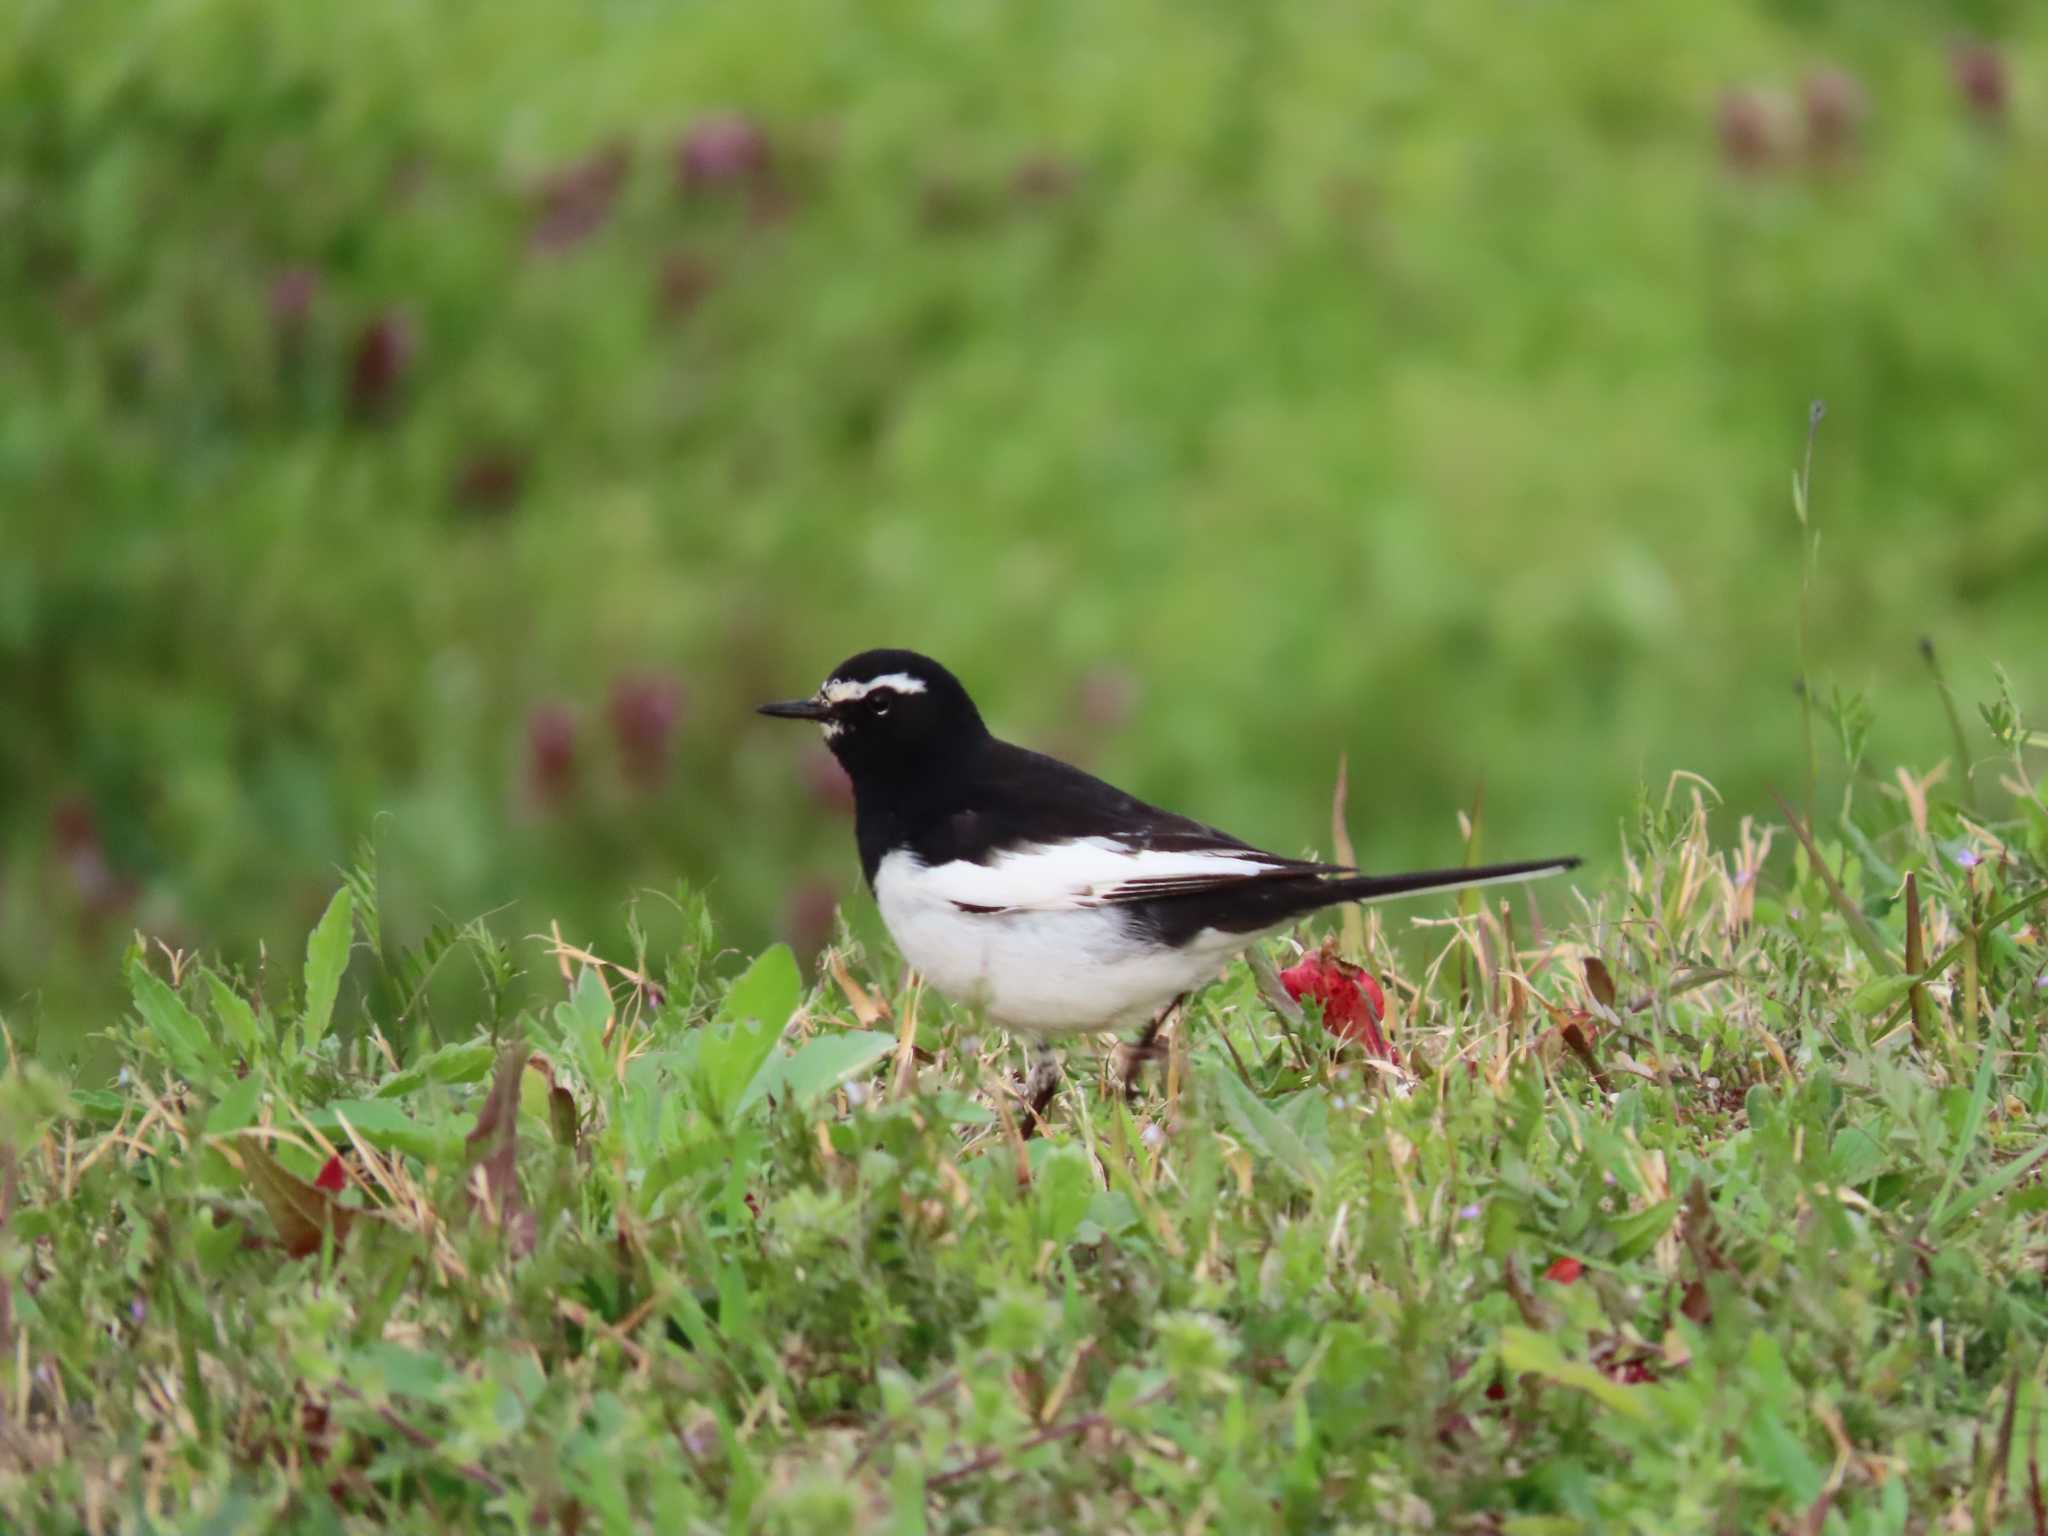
1039	1088
1146	1048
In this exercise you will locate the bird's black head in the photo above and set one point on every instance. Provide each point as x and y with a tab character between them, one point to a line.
889	715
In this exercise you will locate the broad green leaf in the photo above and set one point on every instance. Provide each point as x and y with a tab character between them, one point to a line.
326	958
386	1126
237	1107
1524	1349
822	1065
960	1109
31	1098
382	1370
466	1061
1636	1233
236	1017
1267	1133
1876	996
1776	1452
1063	1186
97	1104
179	1036
582	1021
737	1045
769	990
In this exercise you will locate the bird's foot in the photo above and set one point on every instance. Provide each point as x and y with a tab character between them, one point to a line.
1148	1047
1041	1086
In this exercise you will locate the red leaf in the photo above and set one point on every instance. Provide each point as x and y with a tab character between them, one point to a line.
494	1147
333	1177
1353	1004
1564	1271
304	1213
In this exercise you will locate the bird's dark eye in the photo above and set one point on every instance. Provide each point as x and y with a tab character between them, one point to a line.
881	706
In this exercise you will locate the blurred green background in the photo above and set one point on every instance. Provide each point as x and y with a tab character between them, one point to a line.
447	421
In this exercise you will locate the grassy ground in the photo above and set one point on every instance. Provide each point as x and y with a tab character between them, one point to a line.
1682	1208
428	419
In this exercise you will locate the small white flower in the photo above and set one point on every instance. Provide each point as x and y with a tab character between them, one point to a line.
856	1093
1152	1135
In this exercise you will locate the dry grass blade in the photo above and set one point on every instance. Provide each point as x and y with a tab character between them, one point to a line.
866	1007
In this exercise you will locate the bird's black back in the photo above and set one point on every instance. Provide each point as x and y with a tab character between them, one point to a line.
998	796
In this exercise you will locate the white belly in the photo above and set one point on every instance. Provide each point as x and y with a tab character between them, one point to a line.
1045	972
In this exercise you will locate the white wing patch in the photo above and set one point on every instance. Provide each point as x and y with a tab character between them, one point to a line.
840	690
1089	872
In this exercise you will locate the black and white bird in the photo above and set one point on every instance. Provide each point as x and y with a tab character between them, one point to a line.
1053	901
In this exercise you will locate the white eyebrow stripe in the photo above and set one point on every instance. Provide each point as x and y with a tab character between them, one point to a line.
841	690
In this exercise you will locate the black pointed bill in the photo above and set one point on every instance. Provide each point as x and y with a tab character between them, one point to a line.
798	709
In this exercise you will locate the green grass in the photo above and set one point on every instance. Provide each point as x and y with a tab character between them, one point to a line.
1218	391
699	1246
1415	382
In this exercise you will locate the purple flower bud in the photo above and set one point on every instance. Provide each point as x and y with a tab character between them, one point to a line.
1107	696
1042	179
1747	129
1968	858
684	281
1835	107
1982	78
551	753
721	151
383	356
644	711
827	783
576	200
490	480
1468	1213
292	293
809	913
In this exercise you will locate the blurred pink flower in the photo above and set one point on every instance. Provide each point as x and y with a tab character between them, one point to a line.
292	293
722	151
381	360
551	768
809	912
1106	696
490	479
1042	179
1835	106
1748	130
684	280
1982	77
826	782
576	200
644	712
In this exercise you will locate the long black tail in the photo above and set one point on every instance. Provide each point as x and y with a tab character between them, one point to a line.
1386	887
